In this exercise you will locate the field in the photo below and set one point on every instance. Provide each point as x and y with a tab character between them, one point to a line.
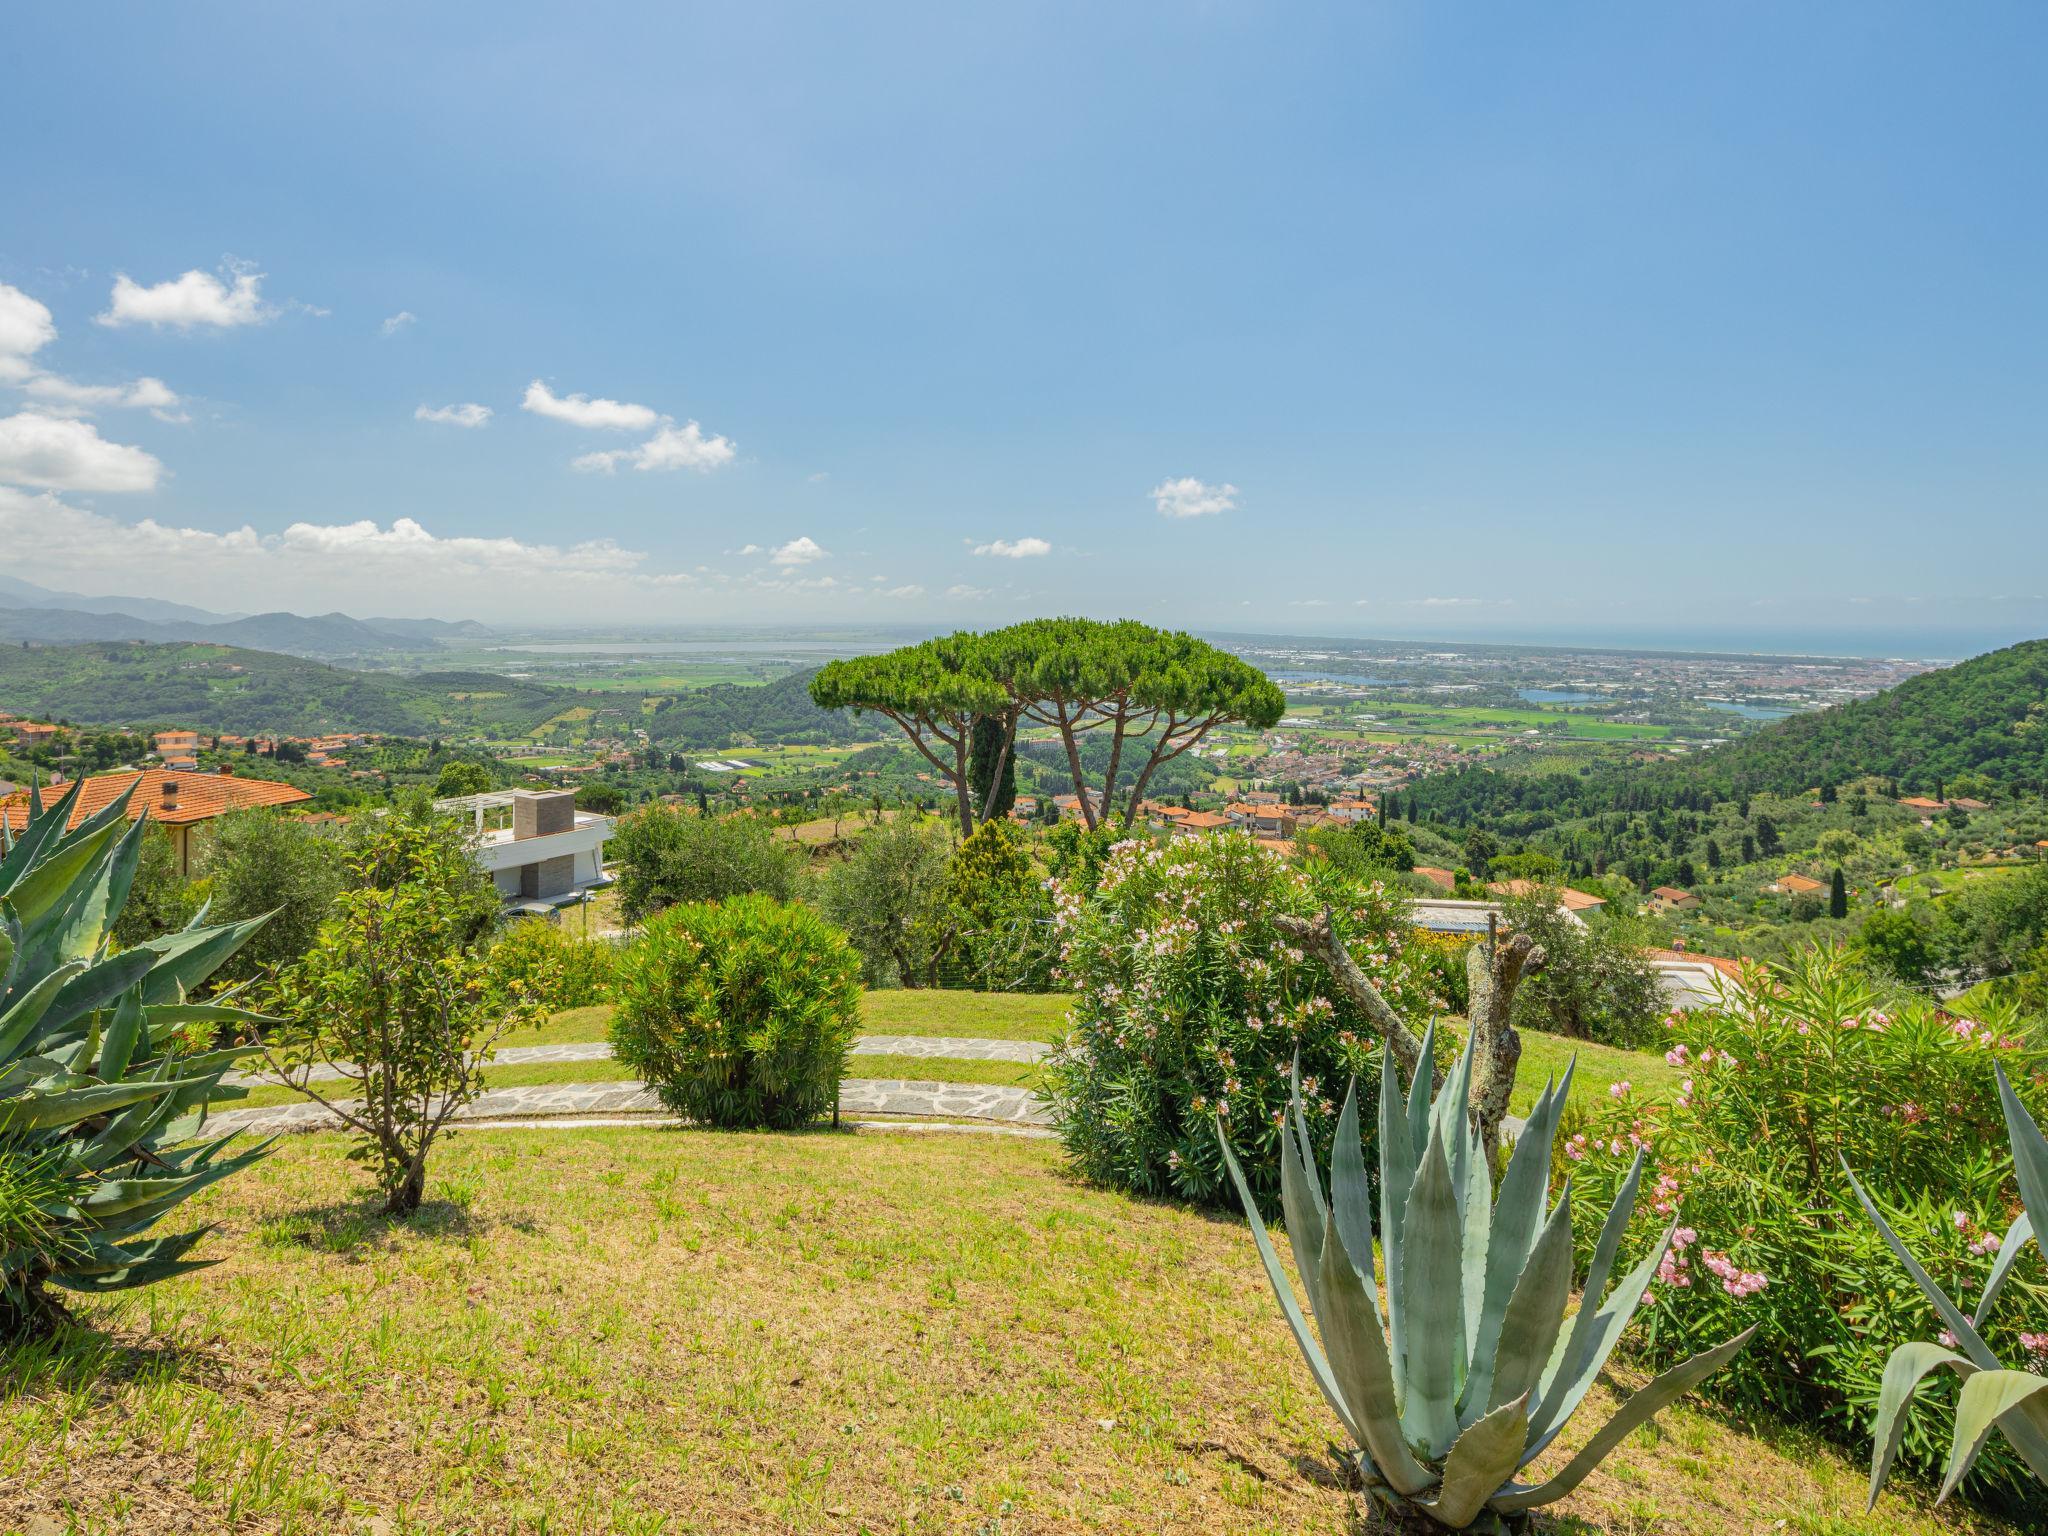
663	1331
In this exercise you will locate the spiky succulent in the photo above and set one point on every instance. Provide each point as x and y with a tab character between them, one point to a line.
1473	1368
100	1107
2015	1401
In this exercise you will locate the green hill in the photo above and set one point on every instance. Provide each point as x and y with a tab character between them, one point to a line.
738	714
223	688
1987	716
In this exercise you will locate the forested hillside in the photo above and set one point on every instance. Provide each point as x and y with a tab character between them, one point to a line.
732	714
1988	716
221	688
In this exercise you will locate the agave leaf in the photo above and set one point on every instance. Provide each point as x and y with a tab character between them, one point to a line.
19	1022
1304	1223
1350	1325
138	1217
1318	1365
1483	1458
1397	1176
1987	1398
1303	1146
39	1111
1478	1218
1903	1372
1535	1313
1350	1194
2029	1148
1575	1378
2016	1238
118	1048
1637	1411
36	894
2029	1439
96	987
80	928
128	1277
185	959
1419	1089
42	831
1432	1336
1618	1216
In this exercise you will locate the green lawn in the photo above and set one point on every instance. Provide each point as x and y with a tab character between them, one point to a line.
659	1332
964	1015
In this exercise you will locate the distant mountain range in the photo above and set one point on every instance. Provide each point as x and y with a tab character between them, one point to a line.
38	614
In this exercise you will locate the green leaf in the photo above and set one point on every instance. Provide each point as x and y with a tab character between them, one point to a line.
1535	1313
186	959
1580	1338
1568	1387
19	1022
1318	1366
2017	1237
1988	1398
1350	1194
1304	1224
1418	1095
38	1111
1481	1462
118	1048
1432	1334
1397	1176
2029	1148
1350	1324
96	987
1633	1414
1903	1372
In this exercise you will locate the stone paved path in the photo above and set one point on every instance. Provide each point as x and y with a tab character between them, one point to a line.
857	1095
949	1047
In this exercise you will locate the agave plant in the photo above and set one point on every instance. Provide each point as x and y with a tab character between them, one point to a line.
1473	1367
100	1106
2014	1401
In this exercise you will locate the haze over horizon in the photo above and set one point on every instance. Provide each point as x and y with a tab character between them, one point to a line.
1718	326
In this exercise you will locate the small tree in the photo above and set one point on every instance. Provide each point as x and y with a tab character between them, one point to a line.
992	767
160	900
891	897
462	778
1838	895
258	861
397	998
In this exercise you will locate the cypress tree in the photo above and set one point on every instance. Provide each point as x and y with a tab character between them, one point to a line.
990	732
1838	895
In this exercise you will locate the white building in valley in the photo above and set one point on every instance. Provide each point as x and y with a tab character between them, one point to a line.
541	851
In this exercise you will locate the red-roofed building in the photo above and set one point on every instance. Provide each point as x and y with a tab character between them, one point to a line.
178	802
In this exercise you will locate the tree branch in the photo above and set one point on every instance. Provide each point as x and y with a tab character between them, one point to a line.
1320	940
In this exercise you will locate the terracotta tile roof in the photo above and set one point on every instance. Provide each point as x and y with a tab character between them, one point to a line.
200	797
1441	878
1204	821
1671	893
1729	968
1796	884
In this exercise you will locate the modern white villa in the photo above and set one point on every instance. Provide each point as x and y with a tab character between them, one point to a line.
541	851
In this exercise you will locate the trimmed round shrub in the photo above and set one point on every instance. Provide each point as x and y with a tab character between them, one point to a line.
1191	1005
739	1013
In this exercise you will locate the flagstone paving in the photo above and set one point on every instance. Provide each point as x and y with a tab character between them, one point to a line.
942	1047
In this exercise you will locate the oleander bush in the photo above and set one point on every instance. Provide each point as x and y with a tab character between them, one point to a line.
1793	1072
739	1013
1191	1004
553	967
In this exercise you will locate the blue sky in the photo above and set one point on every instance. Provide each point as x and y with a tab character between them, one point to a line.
1380	319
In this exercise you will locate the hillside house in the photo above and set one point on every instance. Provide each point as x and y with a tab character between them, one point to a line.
1669	898
181	803
1353	809
540	851
1798	885
1200	824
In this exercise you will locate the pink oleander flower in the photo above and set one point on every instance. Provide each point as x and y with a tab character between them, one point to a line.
1676	1055
1947	1339
1962	1222
1618	1090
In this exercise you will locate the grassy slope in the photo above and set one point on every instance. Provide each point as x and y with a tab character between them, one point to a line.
647	1331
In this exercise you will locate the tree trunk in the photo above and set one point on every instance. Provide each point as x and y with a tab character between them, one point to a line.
405	1197
1495	969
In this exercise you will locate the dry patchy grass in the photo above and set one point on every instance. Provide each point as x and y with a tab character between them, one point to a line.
649	1331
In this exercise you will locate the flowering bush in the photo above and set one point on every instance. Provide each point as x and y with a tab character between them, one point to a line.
1190	1005
552	968
1791	1070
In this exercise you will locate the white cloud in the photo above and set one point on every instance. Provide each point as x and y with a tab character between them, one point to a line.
61	453
750	549
25	328
963	591
393	324
1448	602
582	411
1189	497
1014	549
798	551
908	589
314	567
146	393
194	299
468	414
